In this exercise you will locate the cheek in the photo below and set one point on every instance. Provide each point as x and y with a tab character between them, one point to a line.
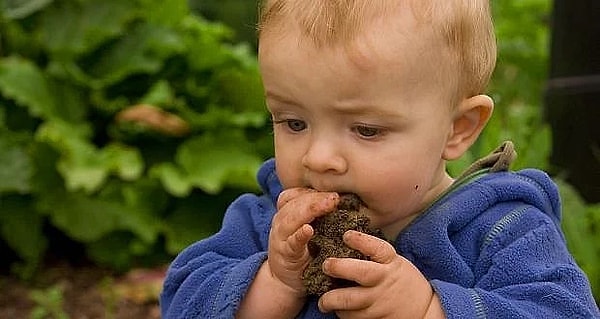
288	166
392	186
401	191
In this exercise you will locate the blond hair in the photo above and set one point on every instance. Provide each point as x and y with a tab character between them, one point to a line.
464	25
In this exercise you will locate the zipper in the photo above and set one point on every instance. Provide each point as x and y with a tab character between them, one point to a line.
500	225
480	310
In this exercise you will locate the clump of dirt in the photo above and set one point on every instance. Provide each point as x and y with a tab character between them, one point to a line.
327	242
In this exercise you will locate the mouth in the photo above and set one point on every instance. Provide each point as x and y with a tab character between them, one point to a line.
348	200
351	201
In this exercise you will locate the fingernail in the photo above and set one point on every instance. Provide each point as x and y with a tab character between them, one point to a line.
349	233
328	201
332	197
325	264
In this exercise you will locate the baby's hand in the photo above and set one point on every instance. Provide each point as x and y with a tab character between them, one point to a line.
390	285
290	233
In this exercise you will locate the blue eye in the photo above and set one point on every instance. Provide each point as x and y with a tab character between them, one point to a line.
367	131
292	124
296	125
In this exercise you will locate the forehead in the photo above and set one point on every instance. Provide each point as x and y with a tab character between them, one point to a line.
326	22
372	70
366	29
390	43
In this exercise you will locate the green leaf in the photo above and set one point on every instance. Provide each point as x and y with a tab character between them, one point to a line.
80	163
185	227
17	169
73	106
123	160
159	94
22	81
142	50
218	117
242	90
113	249
73	28
534	153
579	225
21	228
84	166
86	218
204	41
162	12
210	162
194	218
593	212
17	9
145	194
173	179
2	117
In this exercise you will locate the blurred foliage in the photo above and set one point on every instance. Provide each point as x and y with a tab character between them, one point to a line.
581	225
128	126
517	85
84	82
241	15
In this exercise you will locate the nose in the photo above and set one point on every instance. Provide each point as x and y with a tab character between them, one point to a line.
325	156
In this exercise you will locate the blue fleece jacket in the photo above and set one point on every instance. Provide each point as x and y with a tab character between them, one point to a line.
491	247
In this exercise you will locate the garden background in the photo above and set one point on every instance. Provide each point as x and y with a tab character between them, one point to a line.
126	128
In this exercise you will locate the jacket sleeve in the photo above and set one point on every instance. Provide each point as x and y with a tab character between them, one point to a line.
526	272
209	278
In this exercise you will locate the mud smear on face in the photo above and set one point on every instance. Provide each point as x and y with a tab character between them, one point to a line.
327	242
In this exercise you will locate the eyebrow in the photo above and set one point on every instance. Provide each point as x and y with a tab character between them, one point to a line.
350	108
279	98
365	109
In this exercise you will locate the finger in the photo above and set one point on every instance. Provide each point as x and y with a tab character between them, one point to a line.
377	249
300	238
363	272
344	299
288	194
303	210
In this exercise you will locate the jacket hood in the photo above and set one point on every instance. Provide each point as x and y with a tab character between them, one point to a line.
268	180
529	186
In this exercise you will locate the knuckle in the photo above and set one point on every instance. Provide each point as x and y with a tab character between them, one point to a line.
300	235
383	252
363	271
347	301
290	194
284	197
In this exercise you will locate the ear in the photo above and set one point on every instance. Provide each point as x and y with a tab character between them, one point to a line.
470	117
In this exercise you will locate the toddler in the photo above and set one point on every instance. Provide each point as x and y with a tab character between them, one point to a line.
373	98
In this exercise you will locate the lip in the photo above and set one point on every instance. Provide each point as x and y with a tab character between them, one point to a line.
340	193
353	194
364	208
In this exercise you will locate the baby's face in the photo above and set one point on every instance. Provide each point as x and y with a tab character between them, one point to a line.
371	119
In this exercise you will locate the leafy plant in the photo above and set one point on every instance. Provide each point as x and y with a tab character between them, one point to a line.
126	125
48	303
109	297
580	225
